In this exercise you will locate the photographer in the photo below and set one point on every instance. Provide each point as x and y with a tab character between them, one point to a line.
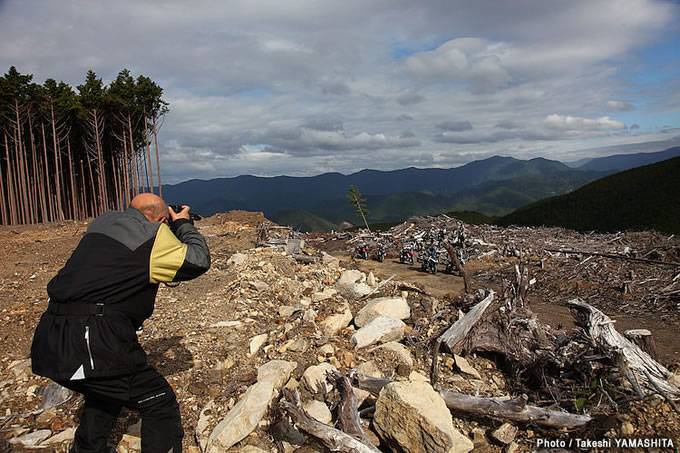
86	340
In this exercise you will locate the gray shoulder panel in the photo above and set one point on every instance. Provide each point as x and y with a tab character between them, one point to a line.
131	227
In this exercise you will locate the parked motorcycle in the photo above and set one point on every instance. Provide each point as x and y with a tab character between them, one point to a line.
361	252
406	255
381	252
430	261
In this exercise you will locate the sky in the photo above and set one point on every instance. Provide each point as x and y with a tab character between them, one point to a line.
301	88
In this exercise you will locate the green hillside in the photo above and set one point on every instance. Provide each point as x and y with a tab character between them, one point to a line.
642	198
302	220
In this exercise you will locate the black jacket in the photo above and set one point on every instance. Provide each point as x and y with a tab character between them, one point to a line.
119	263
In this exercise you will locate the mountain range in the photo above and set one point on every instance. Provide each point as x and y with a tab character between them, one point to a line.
494	186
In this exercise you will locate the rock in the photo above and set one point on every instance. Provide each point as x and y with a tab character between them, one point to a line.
360	396
406	362
309	316
31	439
64	436
480	442
327	350
370	369
237	259
333	324
252	449
256	343
329	259
299	345
315	380
277	372
21	368
54	395
319	411
286	311
370	280
129	443
412	417
320	296
258	285
349	285
392	307
381	330
243	418
505	434
512	448
204	424
418	377
627	429
465	367
227	324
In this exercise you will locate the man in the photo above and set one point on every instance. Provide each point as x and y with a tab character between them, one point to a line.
87	341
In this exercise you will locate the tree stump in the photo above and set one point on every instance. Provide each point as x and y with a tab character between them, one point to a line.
645	341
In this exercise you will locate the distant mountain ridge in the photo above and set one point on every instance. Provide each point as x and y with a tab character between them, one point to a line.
494	186
646	197
621	162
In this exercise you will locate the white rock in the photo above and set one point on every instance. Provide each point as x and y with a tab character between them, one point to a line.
256	343
315	380
465	367
506	433
31	439
370	280
227	324
381	330
350	285
333	324
392	307
402	352
370	369
237	259
277	372
319	411
65	436
327	349
258	285
242	419
327	293
414	416
309	316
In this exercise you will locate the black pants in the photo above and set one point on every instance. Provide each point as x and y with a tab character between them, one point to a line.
145	391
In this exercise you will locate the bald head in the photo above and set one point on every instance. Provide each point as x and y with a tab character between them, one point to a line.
152	206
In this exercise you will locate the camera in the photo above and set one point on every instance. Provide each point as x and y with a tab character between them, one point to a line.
178	208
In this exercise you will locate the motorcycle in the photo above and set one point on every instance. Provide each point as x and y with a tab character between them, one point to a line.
430	261
361	252
381	252
406	255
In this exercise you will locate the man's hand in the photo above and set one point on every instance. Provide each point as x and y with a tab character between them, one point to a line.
184	214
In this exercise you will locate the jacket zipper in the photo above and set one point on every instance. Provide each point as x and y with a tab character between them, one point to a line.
87	342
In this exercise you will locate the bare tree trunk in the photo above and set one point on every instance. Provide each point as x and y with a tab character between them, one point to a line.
5	198
11	191
148	153
60	211
158	161
47	175
126	172
73	188
135	175
84	189
95	205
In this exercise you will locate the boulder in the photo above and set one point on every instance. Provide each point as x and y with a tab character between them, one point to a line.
318	411
381	330
315	379
349	285
243	418
277	372
392	307
413	417
333	324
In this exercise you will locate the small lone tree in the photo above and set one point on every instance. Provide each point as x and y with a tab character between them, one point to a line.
358	203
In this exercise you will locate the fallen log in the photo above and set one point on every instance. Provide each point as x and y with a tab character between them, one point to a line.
645	341
453	254
611	255
646	371
507	409
333	439
459	330
348	416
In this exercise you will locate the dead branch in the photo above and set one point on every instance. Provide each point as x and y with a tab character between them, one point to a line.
333	439
459	330
453	254
611	255
508	409
600	329
348	416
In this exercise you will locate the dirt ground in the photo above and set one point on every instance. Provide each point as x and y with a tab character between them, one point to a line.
204	363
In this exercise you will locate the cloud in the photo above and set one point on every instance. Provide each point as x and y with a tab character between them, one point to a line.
620	106
575	124
410	98
507	124
455	126
404	118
